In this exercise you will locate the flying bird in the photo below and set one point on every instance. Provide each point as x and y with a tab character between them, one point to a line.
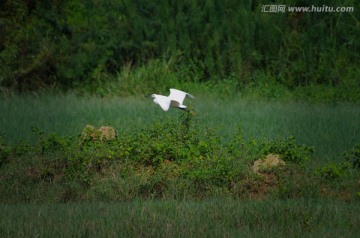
175	99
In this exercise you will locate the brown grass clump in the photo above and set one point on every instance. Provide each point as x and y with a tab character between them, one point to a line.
270	161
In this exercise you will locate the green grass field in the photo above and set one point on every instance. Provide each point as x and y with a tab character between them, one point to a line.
48	193
331	128
211	218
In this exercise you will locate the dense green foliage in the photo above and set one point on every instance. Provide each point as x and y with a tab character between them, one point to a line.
165	160
89	43
171	159
353	156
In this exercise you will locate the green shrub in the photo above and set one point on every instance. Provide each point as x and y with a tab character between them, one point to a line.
353	157
51	142
331	171
288	149
339	170
171	158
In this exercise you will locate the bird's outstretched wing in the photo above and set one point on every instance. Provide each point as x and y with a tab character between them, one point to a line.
163	101
178	95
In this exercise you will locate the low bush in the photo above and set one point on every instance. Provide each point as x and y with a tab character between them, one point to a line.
288	149
172	158
353	157
332	170
351	161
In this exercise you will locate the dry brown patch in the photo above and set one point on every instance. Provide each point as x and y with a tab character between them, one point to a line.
270	161
104	133
256	188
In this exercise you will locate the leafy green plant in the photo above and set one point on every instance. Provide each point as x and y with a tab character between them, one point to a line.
338	170
51	142
353	156
333	170
288	149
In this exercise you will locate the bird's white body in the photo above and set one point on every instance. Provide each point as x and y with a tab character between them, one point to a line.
175	99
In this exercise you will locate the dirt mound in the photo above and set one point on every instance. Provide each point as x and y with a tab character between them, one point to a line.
104	133
270	161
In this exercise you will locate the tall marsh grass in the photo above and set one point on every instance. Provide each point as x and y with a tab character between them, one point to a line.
331	128
212	218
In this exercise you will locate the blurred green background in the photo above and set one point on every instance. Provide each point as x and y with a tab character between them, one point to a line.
123	47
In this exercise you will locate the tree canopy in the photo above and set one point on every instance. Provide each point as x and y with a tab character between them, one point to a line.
67	43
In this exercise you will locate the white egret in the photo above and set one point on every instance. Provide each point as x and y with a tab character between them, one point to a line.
175	99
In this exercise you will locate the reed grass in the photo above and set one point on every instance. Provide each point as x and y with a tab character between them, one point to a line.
211	218
331	128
